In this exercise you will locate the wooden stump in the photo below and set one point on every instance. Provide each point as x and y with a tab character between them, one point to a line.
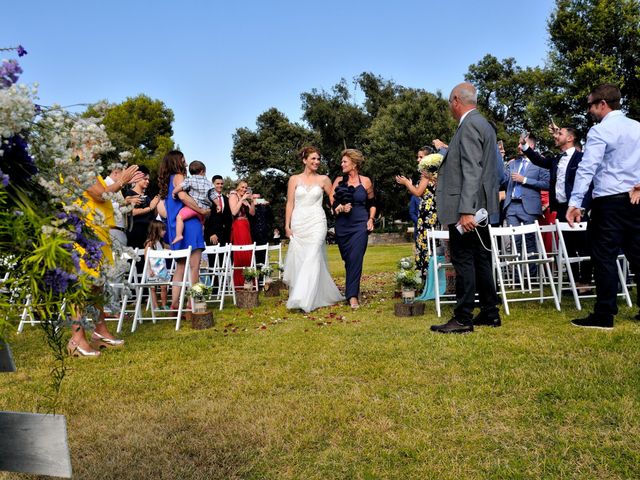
247	298
272	289
408	309
201	320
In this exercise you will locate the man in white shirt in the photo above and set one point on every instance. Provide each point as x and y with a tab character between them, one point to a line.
612	160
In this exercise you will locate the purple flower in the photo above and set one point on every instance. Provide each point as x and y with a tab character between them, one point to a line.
16	161
9	72
21	51
4	179
57	280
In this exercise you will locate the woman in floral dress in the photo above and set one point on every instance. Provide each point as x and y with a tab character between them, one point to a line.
427	215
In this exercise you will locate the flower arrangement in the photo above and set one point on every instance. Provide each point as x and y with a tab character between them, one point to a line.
266	271
408	279
406	263
249	274
199	291
430	163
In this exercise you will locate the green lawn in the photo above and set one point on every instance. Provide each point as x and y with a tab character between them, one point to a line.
335	394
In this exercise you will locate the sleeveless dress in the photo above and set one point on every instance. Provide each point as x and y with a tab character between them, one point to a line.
352	238
427	219
305	269
241	235
192	228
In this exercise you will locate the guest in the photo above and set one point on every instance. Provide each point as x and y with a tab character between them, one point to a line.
352	201
562	174
241	206
466	183
276	236
523	204
118	231
217	228
143	213
171	174
612	161
158	270
198	187
101	337
427	216
261	225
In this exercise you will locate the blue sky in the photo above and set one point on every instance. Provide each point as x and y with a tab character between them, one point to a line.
218	65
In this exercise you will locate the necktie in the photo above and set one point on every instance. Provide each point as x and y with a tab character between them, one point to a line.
220	202
517	189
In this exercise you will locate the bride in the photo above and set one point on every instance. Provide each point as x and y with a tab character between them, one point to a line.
305	268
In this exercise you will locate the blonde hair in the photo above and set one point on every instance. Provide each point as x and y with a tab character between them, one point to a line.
240	182
355	156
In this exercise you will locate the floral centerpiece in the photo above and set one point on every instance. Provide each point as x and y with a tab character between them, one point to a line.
430	163
199	292
249	274
408	279
266	271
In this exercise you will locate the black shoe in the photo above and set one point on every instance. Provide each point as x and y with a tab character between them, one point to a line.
488	319
594	321
453	326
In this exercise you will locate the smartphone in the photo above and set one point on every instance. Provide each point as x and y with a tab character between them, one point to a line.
249	191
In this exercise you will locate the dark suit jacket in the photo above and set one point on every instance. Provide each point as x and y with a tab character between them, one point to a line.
551	163
468	176
537	179
219	224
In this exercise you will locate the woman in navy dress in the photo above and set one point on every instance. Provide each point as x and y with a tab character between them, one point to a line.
173	170
352	203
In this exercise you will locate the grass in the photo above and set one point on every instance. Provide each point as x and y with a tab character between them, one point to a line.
336	394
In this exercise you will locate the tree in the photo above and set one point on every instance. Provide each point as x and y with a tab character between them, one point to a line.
338	121
595	42
141	126
268	156
412	120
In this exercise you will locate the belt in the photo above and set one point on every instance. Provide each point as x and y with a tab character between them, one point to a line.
617	196
122	229
516	200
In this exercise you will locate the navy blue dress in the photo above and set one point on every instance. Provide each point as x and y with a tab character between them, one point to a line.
352	237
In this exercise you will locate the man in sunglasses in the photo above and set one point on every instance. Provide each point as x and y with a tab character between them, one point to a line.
612	160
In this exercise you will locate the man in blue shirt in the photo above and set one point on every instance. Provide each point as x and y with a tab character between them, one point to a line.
612	160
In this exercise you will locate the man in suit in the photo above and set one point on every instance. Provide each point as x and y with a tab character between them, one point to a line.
466	183
523	204
562	174
217	228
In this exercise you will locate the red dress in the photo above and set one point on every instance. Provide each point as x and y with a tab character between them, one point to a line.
241	235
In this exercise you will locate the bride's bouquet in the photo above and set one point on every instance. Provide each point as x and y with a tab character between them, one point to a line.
430	163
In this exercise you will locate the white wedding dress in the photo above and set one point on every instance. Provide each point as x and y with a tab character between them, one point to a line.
305	268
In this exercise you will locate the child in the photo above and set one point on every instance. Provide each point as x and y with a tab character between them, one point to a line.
198	187
158	270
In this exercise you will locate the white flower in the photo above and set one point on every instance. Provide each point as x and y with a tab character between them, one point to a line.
17	109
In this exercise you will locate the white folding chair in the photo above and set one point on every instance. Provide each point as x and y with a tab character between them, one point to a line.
436	243
524	260
125	286
275	262
264	249
147	282
248	249
552	230
218	273
565	261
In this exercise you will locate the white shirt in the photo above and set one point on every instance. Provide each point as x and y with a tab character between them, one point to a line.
562	175
611	158
117	214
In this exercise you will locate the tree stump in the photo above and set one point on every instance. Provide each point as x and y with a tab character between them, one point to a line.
408	309
246	298
201	320
272	289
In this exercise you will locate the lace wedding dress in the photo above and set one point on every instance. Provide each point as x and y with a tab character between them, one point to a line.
305	268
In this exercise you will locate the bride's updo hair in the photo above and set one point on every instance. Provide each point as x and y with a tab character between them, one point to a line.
355	156
306	151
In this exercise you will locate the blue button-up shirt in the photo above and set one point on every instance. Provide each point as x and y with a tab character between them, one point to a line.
611	158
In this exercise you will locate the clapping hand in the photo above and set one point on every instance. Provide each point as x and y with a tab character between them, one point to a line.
402	180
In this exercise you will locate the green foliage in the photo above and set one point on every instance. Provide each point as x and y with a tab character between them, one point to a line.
593	42
411	121
139	125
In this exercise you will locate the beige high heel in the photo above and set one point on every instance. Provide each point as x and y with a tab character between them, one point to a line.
75	350
99	341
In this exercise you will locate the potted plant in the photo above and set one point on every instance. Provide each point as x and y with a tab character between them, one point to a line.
266	271
199	293
408	280
250	274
